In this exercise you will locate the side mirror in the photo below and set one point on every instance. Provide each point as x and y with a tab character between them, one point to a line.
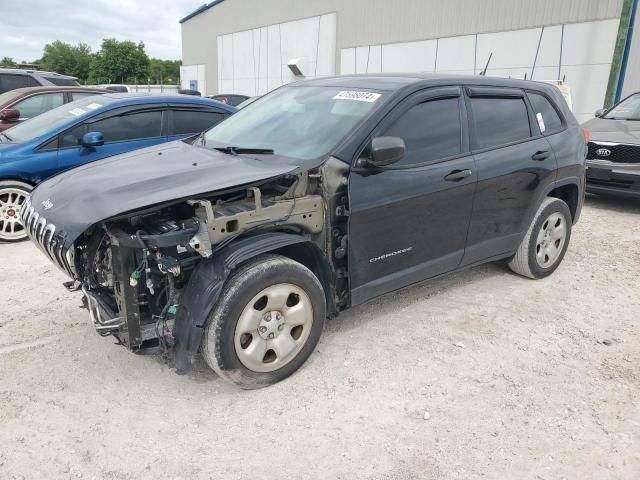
386	151
600	112
92	139
10	115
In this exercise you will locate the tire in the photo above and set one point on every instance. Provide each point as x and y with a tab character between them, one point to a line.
543	247
268	320
12	196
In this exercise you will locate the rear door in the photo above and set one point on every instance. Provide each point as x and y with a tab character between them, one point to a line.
409	221
515	163
124	130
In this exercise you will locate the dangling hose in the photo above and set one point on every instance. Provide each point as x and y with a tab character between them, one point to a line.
162	318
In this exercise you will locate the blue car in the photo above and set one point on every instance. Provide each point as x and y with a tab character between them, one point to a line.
88	130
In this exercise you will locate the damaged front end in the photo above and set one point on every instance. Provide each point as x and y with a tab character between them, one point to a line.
150	278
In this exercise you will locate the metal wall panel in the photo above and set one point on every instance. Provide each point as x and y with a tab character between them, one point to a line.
376	22
253	62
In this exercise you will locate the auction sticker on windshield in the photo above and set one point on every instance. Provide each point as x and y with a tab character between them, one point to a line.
77	112
93	106
358	96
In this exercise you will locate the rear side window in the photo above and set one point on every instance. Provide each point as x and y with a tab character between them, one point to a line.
131	126
430	130
185	121
9	81
37	104
547	116
62	82
498	121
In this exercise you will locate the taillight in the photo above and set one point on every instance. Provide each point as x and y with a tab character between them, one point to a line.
587	135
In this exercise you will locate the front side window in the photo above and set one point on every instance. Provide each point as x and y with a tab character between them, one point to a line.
130	126
186	121
299	122
499	121
8	96
430	130
71	138
57	118
628	109
547	116
38	104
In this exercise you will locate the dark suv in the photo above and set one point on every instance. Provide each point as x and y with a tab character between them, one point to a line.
11	78
317	197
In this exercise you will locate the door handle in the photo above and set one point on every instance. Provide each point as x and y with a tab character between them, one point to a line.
458	175
540	156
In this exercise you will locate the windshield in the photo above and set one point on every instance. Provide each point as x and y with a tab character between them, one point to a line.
53	119
628	109
299	122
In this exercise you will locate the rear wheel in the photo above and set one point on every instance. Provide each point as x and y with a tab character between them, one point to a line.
546	241
12	196
266	324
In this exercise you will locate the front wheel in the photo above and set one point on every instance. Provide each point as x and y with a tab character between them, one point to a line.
12	196
546	241
267	322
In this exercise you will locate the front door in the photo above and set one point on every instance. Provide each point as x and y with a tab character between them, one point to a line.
409	221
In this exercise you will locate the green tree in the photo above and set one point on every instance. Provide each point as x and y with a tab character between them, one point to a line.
164	71
67	59
119	62
7	61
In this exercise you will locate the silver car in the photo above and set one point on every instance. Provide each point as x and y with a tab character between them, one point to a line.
613	159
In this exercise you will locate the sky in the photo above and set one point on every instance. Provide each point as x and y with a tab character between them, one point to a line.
27	25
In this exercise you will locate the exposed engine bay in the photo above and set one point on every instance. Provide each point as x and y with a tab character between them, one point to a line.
134	269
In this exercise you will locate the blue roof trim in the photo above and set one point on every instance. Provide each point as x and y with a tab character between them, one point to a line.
201	9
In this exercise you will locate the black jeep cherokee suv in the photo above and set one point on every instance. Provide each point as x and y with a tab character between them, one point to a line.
317	197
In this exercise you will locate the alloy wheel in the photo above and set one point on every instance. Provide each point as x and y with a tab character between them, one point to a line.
11	201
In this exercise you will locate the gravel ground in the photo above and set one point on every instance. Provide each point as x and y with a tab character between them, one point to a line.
481	374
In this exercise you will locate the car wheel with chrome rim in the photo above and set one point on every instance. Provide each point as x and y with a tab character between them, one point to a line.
12	196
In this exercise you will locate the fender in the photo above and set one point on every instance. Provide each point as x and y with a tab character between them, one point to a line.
206	283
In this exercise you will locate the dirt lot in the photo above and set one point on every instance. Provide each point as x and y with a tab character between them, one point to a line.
477	375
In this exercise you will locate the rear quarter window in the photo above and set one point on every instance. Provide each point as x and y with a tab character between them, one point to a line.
547	116
499	121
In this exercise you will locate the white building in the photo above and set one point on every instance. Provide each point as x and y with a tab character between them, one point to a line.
245	46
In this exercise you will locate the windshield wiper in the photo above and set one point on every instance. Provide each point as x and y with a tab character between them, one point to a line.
6	136
231	150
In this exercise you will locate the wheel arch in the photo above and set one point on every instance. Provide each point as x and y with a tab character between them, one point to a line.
207	281
569	193
560	189
23	181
